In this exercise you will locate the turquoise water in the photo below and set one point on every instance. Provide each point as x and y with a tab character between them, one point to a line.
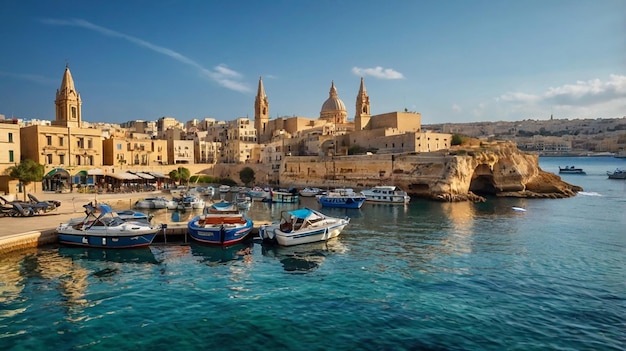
432	276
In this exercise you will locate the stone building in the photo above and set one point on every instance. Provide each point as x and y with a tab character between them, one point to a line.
10	152
65	145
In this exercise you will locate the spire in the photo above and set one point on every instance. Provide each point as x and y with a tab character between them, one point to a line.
67	85
261	90
362	90
333	90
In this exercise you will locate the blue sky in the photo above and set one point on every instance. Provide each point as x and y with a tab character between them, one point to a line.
452	61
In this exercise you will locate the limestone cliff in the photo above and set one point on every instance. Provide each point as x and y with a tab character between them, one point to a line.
462	174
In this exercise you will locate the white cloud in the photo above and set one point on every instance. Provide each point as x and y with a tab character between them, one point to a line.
456	108
378	72
219	74
30	77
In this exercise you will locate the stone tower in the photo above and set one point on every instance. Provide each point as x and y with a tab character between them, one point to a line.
261	114
67	103
362	115
333	109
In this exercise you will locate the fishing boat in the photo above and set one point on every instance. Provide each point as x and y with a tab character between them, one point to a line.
282	197
243	201
156	203
224	189
389	194
617	174
102	227
220	225
310	192
341	198
302	226
221	207
571	170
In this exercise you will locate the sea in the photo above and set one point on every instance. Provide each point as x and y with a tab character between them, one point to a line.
426	276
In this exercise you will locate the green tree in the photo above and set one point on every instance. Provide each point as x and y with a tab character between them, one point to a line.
26	172
246	175
180	175
456	140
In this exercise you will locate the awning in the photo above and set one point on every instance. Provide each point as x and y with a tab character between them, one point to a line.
157	174
123	176
95	171
60	171
143	175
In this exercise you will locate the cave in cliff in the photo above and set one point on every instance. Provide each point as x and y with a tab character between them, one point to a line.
482	181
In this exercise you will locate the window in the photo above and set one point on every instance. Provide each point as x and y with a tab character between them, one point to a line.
48	140
11	139
61	159
119	146
11	158
90	144
73	112
49	159
61	141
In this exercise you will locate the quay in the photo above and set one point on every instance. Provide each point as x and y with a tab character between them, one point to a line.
18	233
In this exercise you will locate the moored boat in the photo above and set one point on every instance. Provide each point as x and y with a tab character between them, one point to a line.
341	198
220	227
310	192
571	170
617	174
102	227
156	203
389	194
282	197
190	202
303	226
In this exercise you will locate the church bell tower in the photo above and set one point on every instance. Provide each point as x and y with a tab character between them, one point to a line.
67	103
362	116
261	114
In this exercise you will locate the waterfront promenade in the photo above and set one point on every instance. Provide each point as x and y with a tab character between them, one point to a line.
22	232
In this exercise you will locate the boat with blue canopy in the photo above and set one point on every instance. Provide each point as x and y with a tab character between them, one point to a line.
303	226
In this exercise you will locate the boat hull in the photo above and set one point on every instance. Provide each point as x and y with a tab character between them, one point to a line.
106	241
219	233
282	198
341	202
307	236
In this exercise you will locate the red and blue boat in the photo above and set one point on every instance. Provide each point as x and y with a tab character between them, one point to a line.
219	226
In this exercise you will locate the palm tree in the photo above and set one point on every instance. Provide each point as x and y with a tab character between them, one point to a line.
26	172
180	174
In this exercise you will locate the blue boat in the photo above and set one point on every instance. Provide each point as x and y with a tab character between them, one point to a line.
104	228
342	198
219	226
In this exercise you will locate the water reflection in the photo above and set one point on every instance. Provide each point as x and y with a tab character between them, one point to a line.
216	254
136	255
304	258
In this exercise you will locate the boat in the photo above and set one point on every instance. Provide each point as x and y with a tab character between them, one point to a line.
102	227
303	226
617	174
178	191
190	202
389	194
571	170
224	189
134	216
243	201
220	225
282	197
310	192
341	198
156	203
258	193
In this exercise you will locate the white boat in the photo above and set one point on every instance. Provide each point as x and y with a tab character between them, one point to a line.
389	194
103	228
303	226
224	189
258	193
190	202
243	201
156	203
178	191
310	192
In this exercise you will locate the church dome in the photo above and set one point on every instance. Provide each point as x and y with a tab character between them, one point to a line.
333	103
